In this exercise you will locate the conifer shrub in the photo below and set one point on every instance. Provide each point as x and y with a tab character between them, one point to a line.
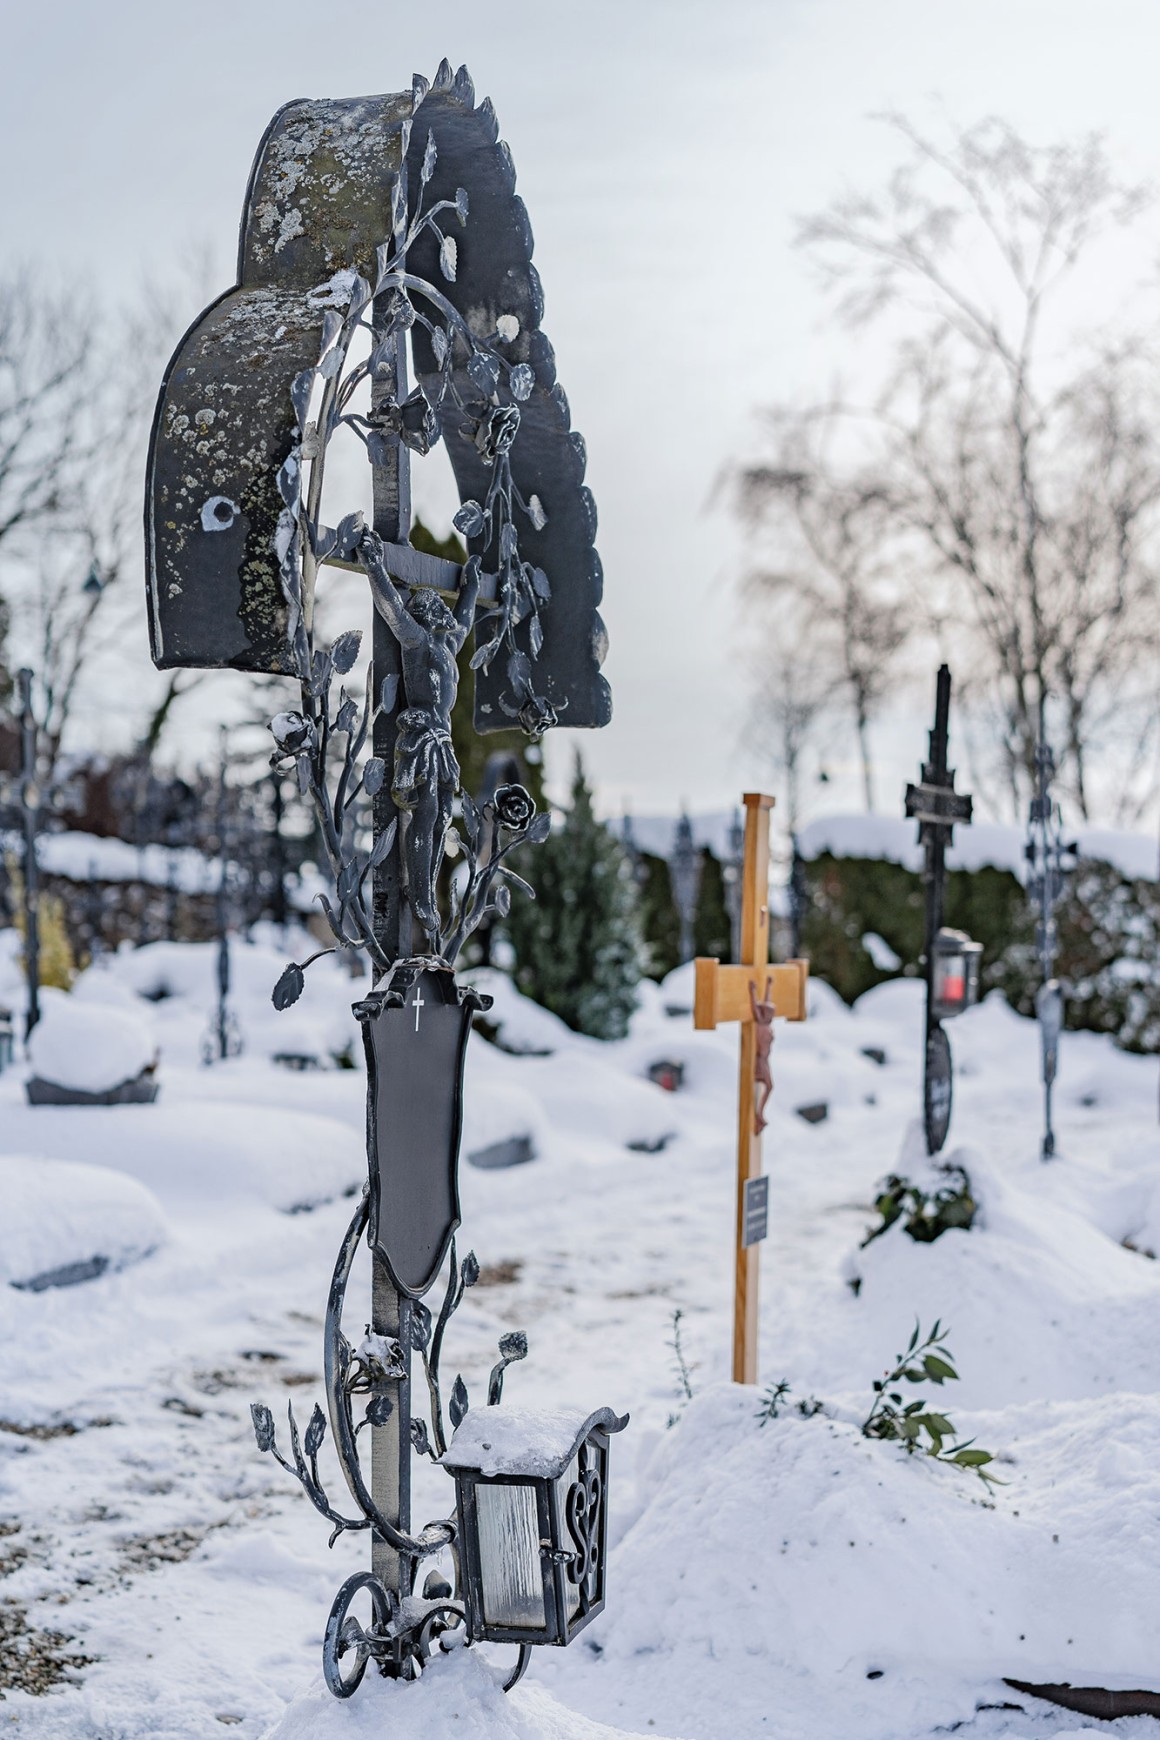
577	945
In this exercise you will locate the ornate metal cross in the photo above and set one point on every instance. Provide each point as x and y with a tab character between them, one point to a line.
382	240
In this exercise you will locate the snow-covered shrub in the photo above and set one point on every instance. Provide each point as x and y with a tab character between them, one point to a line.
1108	925
925	1212
1109	936
849	899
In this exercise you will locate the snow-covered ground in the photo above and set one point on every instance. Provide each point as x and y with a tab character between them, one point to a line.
790	1579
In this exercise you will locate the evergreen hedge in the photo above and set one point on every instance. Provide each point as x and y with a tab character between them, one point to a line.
1108	924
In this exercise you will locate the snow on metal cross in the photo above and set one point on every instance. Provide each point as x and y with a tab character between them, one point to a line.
752	993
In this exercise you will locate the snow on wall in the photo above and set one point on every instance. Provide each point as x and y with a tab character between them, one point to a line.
893	838
92	858
979	846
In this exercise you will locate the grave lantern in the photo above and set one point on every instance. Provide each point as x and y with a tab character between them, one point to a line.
531	1497
955	979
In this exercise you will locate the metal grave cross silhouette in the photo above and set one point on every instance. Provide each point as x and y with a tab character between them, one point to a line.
382	238
752	992
950	958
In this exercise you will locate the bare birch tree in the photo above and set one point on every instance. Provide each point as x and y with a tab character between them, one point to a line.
75	406
828	544
1012	470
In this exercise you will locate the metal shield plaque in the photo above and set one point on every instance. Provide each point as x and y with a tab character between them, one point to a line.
936	1089
415	1055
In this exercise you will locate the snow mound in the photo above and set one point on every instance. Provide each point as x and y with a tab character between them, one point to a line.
181	981
458	1698
99	987
12	986
60	1215
522	1025
91	1046
797	1561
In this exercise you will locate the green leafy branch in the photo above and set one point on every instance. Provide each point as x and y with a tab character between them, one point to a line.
915	1425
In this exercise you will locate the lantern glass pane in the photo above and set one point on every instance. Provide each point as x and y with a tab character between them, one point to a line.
509	1556
563	1486
953	975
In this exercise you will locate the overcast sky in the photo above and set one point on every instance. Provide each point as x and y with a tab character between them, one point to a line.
663	149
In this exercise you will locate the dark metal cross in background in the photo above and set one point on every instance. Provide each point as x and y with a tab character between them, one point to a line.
685	878
936	806
30	803
1045	853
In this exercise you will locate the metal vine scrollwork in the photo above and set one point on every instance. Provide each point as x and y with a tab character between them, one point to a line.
403	1636
478	386
582	1514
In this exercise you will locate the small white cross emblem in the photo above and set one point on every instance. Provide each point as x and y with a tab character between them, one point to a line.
418	1004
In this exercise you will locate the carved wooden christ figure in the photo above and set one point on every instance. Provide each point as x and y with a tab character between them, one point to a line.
764	1009
426	773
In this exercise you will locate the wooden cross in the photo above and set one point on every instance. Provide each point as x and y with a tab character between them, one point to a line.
752	992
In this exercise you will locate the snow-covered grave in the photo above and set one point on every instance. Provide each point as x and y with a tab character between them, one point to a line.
792	1578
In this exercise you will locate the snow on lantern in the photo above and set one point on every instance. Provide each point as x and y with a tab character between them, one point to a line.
531	1496
955	983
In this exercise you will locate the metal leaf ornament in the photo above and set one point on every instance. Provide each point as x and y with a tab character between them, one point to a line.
289	987
457	1406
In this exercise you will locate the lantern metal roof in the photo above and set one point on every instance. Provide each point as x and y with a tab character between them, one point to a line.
535	1443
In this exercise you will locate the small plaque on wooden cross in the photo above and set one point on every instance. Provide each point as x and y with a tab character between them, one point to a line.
751	992
755	1226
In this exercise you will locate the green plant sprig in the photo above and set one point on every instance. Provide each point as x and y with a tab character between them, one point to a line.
915	1425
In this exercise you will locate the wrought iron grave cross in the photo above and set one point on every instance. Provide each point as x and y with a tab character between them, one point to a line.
751	992
30	803
1045	853
382	239
936	806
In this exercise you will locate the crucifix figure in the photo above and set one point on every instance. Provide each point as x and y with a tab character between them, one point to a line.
426	773
764	1010
751	993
